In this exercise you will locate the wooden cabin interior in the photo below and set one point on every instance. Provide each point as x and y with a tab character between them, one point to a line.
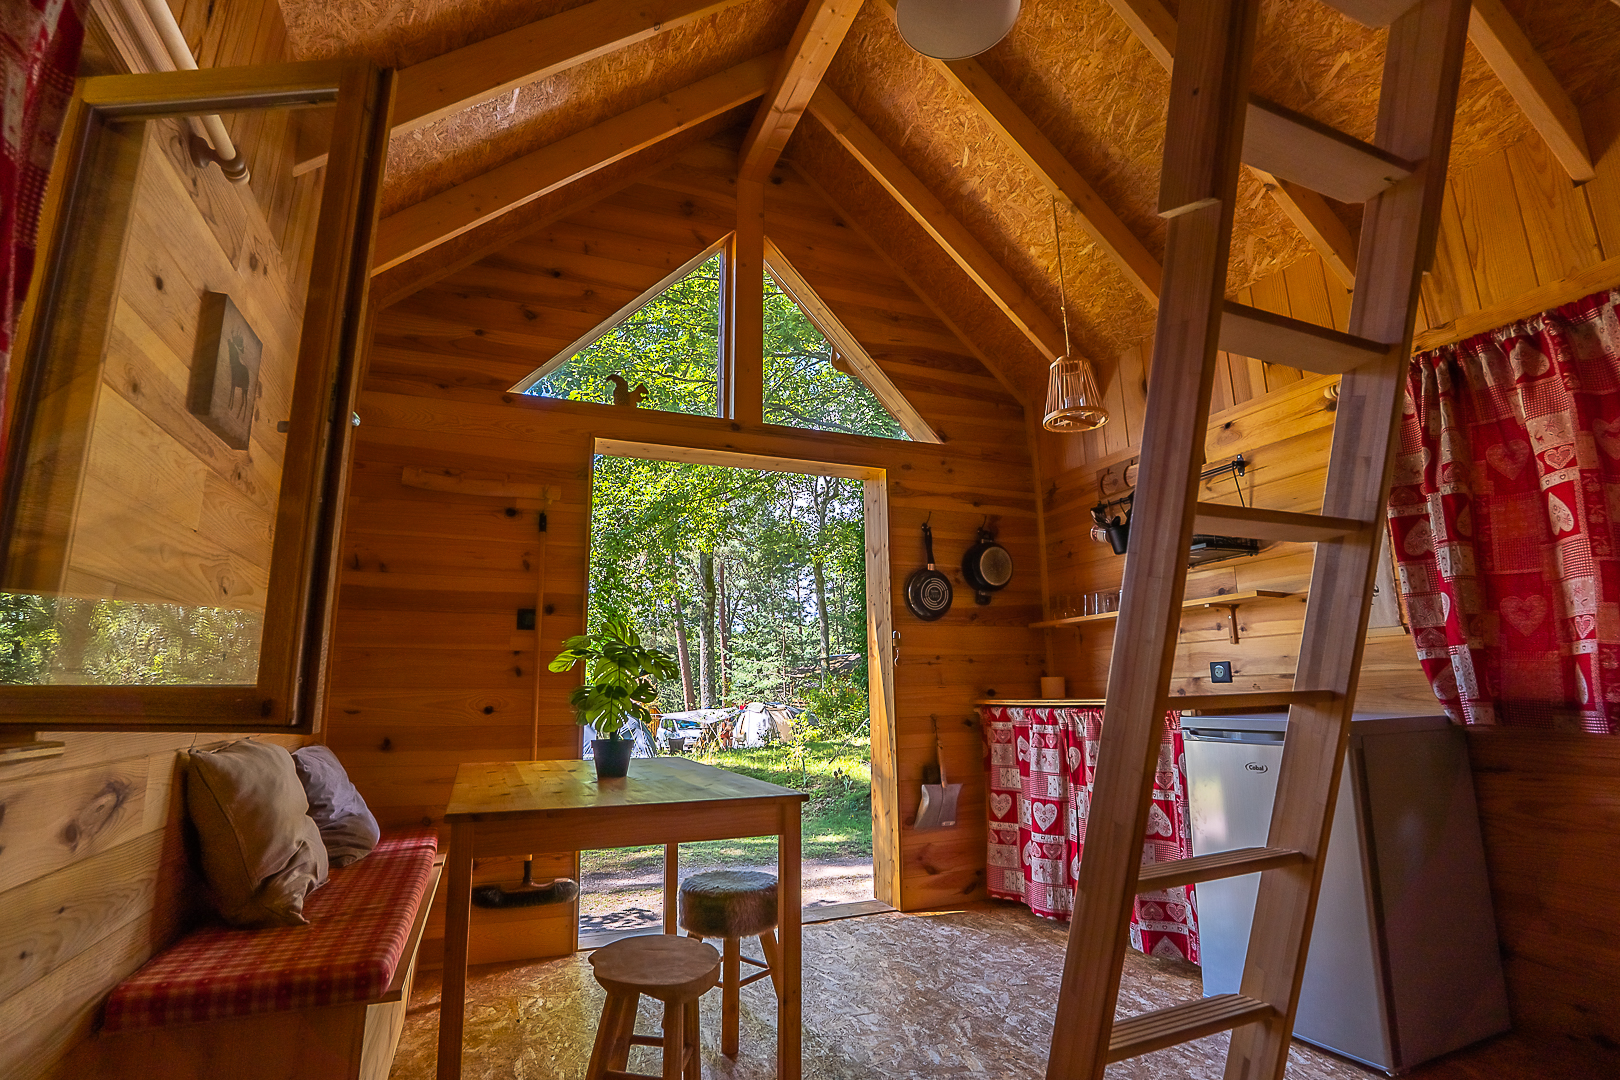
518	173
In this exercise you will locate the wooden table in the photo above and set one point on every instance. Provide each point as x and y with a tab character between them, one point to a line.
534	807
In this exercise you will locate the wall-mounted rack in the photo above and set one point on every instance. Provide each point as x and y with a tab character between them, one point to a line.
1230	601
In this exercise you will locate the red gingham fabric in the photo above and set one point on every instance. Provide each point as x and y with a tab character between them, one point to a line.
358	923
1040	763
1505	520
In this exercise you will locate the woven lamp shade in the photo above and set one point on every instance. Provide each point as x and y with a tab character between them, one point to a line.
1072	400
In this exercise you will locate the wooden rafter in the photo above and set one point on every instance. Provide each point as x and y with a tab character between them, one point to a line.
815	42
996	367
420	228
465	77
1020	135
926	209
1502	43
1155	27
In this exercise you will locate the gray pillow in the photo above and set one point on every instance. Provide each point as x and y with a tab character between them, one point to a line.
261	853
347	826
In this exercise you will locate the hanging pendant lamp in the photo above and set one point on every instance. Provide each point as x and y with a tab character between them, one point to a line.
1072	401
954	29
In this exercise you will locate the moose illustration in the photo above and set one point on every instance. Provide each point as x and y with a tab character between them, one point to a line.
241	377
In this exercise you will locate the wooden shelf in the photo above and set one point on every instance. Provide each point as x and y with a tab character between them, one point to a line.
1225	600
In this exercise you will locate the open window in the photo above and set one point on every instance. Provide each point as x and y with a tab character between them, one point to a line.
179	425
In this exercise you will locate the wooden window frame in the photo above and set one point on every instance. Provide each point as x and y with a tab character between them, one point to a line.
288	695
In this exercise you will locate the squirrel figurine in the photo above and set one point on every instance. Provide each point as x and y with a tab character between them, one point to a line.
623	395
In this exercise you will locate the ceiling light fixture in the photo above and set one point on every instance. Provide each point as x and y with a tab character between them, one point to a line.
1072	401
954	29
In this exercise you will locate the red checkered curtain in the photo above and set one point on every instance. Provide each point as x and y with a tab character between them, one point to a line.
1502	520
39	54
1040	763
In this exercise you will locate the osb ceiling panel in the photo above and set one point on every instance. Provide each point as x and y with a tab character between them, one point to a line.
441	155
1072	65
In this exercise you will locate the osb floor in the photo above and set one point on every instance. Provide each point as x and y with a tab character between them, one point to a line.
891	996
965	994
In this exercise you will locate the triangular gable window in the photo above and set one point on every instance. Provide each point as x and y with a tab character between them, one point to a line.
665	342
662	351
817	375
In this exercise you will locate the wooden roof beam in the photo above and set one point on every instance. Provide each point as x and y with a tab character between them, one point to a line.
815	42
427	224
1155	27
1525	74
1020	134
926	209
998	368
486	69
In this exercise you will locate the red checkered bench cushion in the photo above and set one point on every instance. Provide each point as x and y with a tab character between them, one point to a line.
358	925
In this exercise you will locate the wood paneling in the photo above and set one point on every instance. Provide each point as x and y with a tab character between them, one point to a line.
1550	806
429	669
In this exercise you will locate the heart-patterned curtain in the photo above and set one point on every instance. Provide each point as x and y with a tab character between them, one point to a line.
1502	520
39	54
1040	762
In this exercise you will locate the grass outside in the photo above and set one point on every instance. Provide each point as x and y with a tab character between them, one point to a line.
837	775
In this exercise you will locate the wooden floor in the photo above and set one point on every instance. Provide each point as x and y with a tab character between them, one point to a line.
933	997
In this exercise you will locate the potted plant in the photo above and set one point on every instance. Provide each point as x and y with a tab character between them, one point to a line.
621	676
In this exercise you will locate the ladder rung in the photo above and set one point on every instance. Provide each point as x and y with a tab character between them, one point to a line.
1295	147
1277	339
1222	864
1255	699
1258	524
1156	1030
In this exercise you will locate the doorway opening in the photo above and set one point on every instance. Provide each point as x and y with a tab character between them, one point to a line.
757	578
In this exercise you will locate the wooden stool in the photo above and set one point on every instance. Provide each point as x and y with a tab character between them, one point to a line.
732	905
676	971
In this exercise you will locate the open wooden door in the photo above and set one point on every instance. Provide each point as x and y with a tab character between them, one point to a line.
178	424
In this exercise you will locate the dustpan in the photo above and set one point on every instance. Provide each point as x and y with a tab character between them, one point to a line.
938	807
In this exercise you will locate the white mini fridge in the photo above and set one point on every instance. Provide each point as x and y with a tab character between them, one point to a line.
1404	963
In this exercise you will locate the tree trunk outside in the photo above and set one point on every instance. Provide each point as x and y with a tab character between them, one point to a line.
683	655
706	636
820	573
725	631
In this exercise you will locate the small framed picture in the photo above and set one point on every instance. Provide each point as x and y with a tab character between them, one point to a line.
225	371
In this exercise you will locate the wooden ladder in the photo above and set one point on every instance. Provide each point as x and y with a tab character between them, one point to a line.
1401	176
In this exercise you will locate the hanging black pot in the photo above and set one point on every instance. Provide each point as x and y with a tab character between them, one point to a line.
987	567
928	592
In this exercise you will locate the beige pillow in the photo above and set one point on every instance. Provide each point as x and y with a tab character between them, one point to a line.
261	851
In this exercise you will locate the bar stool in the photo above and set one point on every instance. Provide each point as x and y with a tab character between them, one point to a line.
677	971
732	905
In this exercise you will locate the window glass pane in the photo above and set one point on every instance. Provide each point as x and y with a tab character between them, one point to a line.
665	355
141	531
807	382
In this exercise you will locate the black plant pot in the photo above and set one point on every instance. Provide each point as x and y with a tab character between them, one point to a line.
612	757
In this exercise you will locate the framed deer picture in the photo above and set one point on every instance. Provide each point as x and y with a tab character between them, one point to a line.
225	371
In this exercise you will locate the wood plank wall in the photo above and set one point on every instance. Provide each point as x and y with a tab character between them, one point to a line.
429	669
93	878
1512	222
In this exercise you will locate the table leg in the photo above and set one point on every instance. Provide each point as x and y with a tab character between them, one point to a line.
672	886
458	915
789	1006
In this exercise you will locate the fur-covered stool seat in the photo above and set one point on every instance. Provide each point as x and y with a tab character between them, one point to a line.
732	905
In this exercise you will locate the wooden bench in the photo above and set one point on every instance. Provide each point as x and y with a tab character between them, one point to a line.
319	1002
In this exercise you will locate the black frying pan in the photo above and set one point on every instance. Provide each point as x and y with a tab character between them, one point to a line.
928	592
987	567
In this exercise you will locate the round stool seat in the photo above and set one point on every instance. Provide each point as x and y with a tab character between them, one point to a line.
728	903
661	966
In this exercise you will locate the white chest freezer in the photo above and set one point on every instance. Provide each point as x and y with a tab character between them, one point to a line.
1404	963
